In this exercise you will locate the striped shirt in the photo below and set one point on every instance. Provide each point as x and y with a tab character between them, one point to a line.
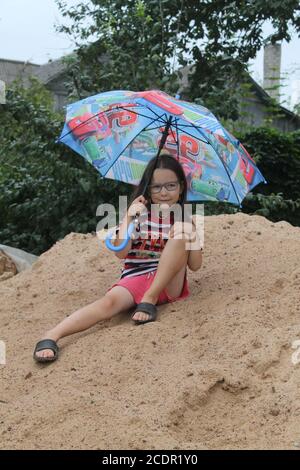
144	255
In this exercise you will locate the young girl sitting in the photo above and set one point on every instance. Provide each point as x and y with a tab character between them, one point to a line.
155	263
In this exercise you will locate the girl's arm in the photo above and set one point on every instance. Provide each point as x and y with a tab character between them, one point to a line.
194	261
188	231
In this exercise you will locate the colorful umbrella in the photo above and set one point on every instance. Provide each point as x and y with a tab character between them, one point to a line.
118	132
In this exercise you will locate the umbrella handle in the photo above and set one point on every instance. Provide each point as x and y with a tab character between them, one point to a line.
112	247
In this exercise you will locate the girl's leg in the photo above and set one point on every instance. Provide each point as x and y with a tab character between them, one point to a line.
113	302
170	273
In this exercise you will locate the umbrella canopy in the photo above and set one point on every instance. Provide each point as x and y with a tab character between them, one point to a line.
118	132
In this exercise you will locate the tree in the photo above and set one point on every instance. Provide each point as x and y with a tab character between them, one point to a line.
136	44
46	190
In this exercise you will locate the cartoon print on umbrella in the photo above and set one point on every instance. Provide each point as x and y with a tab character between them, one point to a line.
120	131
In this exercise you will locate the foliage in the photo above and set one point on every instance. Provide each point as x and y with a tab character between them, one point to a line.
274	207
278	157
47	191
136	44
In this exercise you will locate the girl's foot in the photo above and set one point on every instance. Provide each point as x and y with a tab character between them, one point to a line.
142	316
47	351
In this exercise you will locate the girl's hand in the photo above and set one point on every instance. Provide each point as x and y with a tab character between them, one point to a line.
186	230
138	206
182	230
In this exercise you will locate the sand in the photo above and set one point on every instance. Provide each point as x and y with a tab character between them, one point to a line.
215	371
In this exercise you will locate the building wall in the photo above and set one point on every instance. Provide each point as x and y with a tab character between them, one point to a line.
59	92
254	112
253	108
272	67
11	70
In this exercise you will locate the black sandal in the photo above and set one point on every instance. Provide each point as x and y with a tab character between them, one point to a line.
46	344
148	308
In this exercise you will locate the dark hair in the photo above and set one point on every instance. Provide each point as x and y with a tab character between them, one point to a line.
165	161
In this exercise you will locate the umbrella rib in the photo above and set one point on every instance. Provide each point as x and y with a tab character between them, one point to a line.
225	168
173	135
158	117
183	130
99	114
153	120
177	141
209	142
128	146
153	128
191	125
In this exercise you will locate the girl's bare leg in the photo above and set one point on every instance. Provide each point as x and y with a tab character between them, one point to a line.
114	302
170	273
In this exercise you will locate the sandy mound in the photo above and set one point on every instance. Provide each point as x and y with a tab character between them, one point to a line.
215	370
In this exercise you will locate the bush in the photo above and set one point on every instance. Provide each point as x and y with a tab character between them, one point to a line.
277	155
47	190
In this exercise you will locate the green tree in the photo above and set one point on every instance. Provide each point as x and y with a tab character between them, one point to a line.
46	190
278	157
136	44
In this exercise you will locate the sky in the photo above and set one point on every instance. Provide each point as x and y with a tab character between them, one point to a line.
27	33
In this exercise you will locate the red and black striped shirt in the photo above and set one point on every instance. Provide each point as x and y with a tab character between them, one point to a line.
145	252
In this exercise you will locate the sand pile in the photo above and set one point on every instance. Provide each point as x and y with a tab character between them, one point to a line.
217	370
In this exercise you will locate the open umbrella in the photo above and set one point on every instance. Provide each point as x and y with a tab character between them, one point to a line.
118	132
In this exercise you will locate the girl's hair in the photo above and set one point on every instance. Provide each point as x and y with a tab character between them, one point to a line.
168	162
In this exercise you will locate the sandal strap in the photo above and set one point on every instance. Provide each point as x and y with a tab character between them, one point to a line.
148	308
46	344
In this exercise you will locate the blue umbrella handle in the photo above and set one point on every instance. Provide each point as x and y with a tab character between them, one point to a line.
108	238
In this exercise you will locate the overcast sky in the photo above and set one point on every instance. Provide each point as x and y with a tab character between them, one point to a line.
27	33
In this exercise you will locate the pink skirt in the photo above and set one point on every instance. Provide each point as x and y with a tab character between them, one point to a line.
138	285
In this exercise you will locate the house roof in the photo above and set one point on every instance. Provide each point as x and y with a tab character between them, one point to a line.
51	70
265	97
10	70
262	95
13	69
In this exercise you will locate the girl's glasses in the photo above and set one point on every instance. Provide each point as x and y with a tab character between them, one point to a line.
171	186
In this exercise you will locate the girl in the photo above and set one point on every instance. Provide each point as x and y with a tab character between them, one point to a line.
155	268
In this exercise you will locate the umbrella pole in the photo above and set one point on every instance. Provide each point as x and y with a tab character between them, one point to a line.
161	146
